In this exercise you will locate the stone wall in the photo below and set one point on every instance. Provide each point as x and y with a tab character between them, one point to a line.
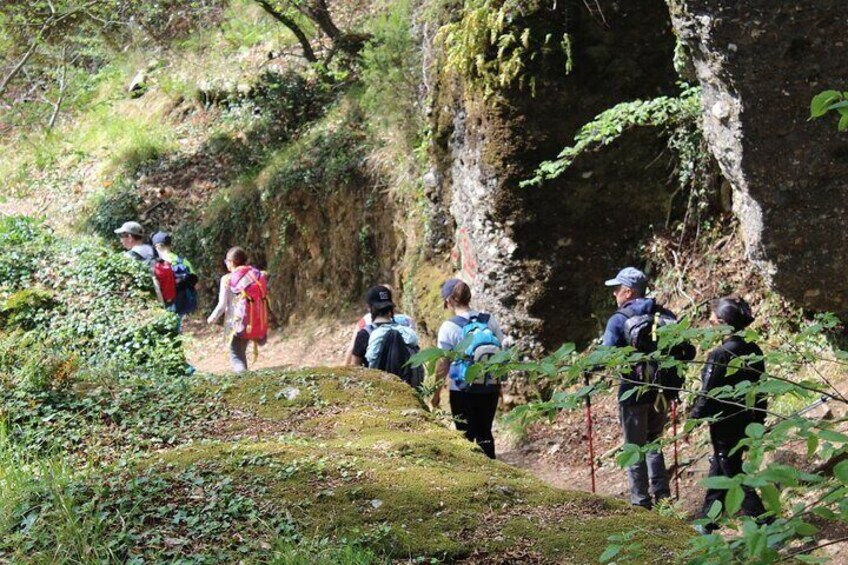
760	62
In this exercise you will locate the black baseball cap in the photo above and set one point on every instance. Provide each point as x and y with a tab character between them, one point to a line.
379	297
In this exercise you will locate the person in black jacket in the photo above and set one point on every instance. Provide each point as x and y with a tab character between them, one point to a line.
730	413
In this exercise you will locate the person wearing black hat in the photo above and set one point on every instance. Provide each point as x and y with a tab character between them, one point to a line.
382	311
367	323
473	406
731	416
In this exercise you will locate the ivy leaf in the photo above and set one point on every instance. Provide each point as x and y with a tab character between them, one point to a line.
771	498
806	529
733	500
840	471
833	437
821	101
425	357
714	510
755	430
720	482
610	553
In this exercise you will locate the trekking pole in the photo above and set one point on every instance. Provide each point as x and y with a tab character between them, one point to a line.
589	434
676	463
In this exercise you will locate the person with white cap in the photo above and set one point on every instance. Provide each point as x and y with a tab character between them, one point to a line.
642	418
132	239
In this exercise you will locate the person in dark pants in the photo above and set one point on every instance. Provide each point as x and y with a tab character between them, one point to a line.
730	419
642	418
473	406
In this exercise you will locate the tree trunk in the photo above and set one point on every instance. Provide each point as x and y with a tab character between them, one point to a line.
308	52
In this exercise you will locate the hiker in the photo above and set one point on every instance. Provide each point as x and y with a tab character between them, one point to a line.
132	239
473	405
366	322
642	417
731	420
185	278
242	299
385	343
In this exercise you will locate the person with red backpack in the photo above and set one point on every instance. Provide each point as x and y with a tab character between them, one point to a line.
243	300
473	404
137	248
184	299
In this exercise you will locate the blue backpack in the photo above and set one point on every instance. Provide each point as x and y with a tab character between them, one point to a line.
186	301
479	343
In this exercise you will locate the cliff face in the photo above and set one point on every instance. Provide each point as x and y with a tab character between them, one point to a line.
537	256
760	63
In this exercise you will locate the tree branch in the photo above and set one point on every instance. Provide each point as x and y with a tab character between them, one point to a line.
308	52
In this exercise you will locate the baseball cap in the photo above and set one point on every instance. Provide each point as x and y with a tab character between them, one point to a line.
132	228
630	277
160	238
379	297
448	286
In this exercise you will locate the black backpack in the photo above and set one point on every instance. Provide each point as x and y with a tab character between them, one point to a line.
640	333
393	358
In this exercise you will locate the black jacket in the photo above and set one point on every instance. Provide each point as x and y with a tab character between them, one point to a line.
715	375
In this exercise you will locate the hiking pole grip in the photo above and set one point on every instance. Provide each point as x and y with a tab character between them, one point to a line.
589	432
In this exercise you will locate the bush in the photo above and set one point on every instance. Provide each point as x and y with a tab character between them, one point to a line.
113	208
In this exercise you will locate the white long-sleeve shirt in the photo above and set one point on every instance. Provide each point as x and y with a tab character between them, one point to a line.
225	303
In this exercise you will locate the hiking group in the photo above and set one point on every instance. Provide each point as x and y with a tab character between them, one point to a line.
242	295
647	391
386	340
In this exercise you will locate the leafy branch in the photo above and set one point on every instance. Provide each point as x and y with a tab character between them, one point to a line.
831	101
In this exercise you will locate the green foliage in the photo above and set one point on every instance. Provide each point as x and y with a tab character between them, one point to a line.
44	514
668	113
27	309
794	495
494	48
391	64
120	203
88	300
831	101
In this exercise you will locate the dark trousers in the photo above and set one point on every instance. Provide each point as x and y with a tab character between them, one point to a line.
724	439
473	415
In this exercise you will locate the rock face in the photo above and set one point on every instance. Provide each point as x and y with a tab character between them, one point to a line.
759	63
537	256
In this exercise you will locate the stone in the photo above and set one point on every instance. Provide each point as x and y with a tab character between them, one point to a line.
138	85
757	63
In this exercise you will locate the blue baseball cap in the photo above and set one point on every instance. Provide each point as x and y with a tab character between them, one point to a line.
448	286
630	277
160	238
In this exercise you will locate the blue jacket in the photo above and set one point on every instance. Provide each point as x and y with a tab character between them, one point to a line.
614	337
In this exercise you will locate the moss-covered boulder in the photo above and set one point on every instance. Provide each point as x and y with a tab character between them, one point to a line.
349	456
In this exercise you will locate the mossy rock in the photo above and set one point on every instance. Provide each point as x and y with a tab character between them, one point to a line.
348	453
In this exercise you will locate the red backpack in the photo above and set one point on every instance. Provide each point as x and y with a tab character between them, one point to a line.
163	272
250	306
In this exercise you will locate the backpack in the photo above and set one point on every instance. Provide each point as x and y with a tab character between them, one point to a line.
482	344
393	354
640	331
186	300
166	280
250	306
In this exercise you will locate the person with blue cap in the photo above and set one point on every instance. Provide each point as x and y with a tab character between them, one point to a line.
473	404
642	418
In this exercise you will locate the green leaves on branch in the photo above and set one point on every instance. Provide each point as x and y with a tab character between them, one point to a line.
664	112
831	101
